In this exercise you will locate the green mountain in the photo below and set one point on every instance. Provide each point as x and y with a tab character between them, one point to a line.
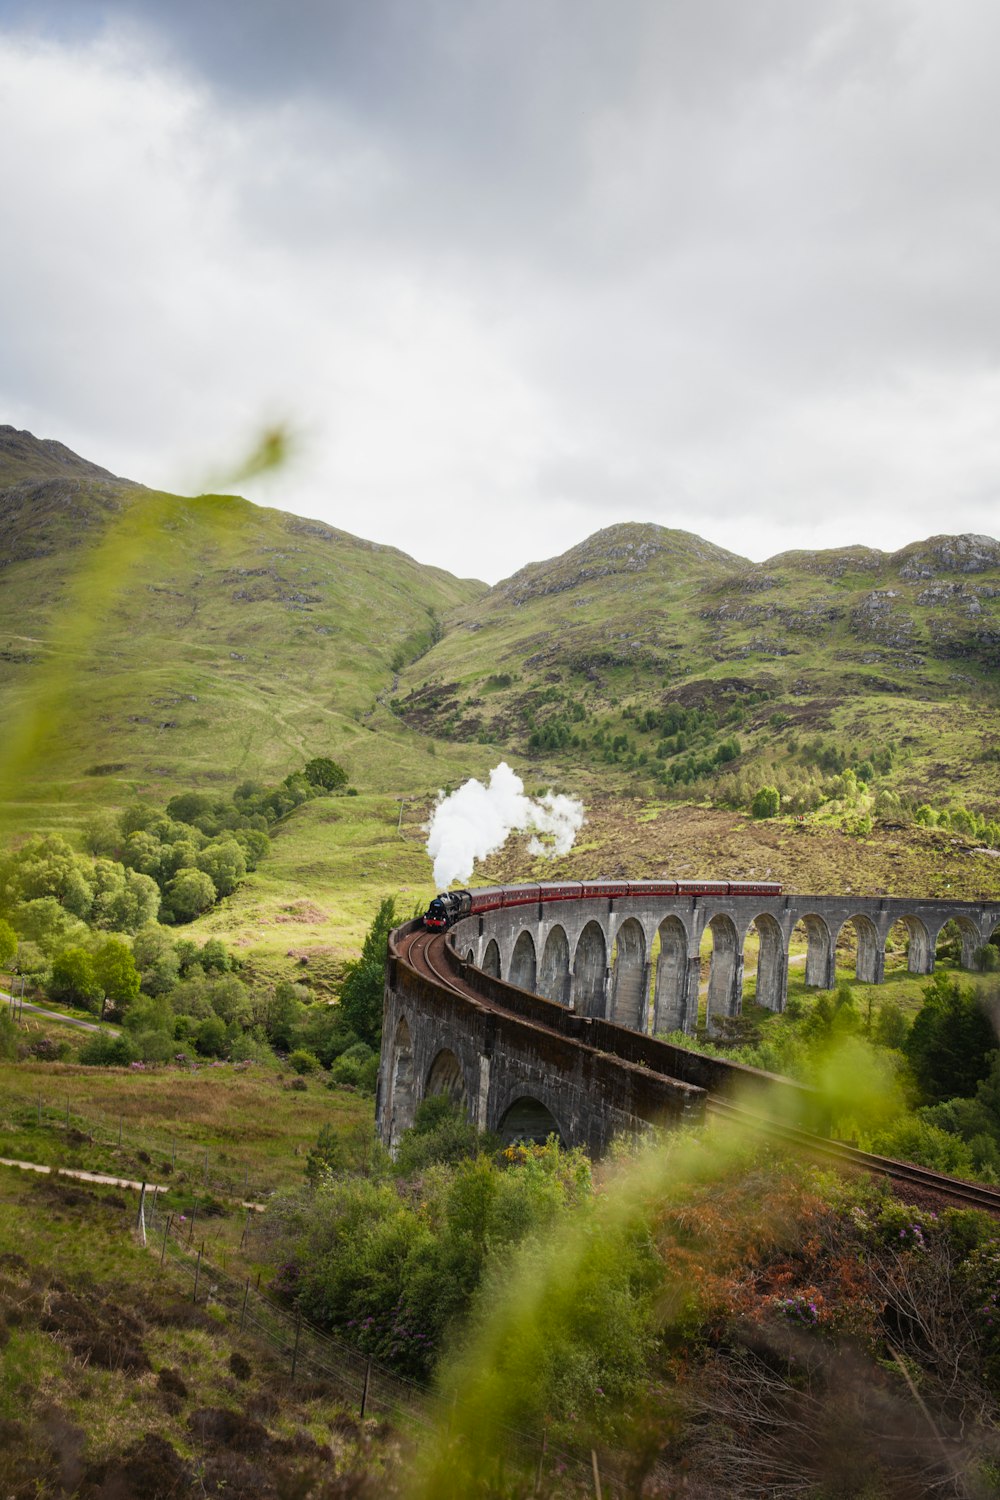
642	651
150	641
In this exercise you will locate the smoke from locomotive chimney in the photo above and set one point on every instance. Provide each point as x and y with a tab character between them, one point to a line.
476	820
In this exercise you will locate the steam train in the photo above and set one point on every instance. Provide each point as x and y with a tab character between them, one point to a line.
451	905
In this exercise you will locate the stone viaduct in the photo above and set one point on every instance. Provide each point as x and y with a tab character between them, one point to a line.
570	992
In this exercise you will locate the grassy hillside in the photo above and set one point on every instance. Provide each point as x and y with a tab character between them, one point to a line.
150	642
852	649
153	643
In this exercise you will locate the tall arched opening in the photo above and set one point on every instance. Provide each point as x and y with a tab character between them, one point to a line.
811	954
590	967
956	943
765	963
630	984
725	968
672	1003
908	946
445	1077
522	962
553	978
529	1120
491	959
858	948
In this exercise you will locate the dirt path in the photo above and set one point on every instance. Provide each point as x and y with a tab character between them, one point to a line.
55	1015
82	1176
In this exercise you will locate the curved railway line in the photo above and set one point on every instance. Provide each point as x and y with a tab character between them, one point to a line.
425	953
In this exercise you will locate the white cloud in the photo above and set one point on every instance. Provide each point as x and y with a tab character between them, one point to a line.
519	272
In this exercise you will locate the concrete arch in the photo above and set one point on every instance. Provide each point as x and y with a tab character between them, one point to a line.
491	959
965	931
528	1119
402	1084
553	977
630	987
772	962
590	971
869	967
522	962
672	1008
920	949
470	957
725	976
445	1076
820	953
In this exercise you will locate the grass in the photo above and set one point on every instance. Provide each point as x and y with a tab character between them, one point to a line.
254	1127
103	1348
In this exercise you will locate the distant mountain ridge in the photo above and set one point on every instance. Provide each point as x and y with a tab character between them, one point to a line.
240	640
851	642
223	640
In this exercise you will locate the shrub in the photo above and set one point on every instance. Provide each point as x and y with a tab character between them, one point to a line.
987	959
441	1132
349	1065
154	1046
107	1051
250	1047
766	803
302	1062
210	1037
928	1145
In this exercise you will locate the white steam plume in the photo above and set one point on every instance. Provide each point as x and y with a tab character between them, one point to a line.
476	821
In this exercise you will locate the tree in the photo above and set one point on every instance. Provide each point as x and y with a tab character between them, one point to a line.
49	867
48	924
102	834
156	960
210	1037
224	863
283	1012
766	803
124	901
116	973
215	957
324	773
362	991
74	979
950	1043
143	852
8	944
189	894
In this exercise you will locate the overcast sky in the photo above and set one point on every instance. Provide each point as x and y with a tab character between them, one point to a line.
514	271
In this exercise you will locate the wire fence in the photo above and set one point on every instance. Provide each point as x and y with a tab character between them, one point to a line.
158	1152
307	1353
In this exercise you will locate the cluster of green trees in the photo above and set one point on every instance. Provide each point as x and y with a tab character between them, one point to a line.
172	995
938	1076
141	866
395	1271
960	820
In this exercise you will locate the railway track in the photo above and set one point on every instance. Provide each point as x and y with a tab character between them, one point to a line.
905	1174
424	952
